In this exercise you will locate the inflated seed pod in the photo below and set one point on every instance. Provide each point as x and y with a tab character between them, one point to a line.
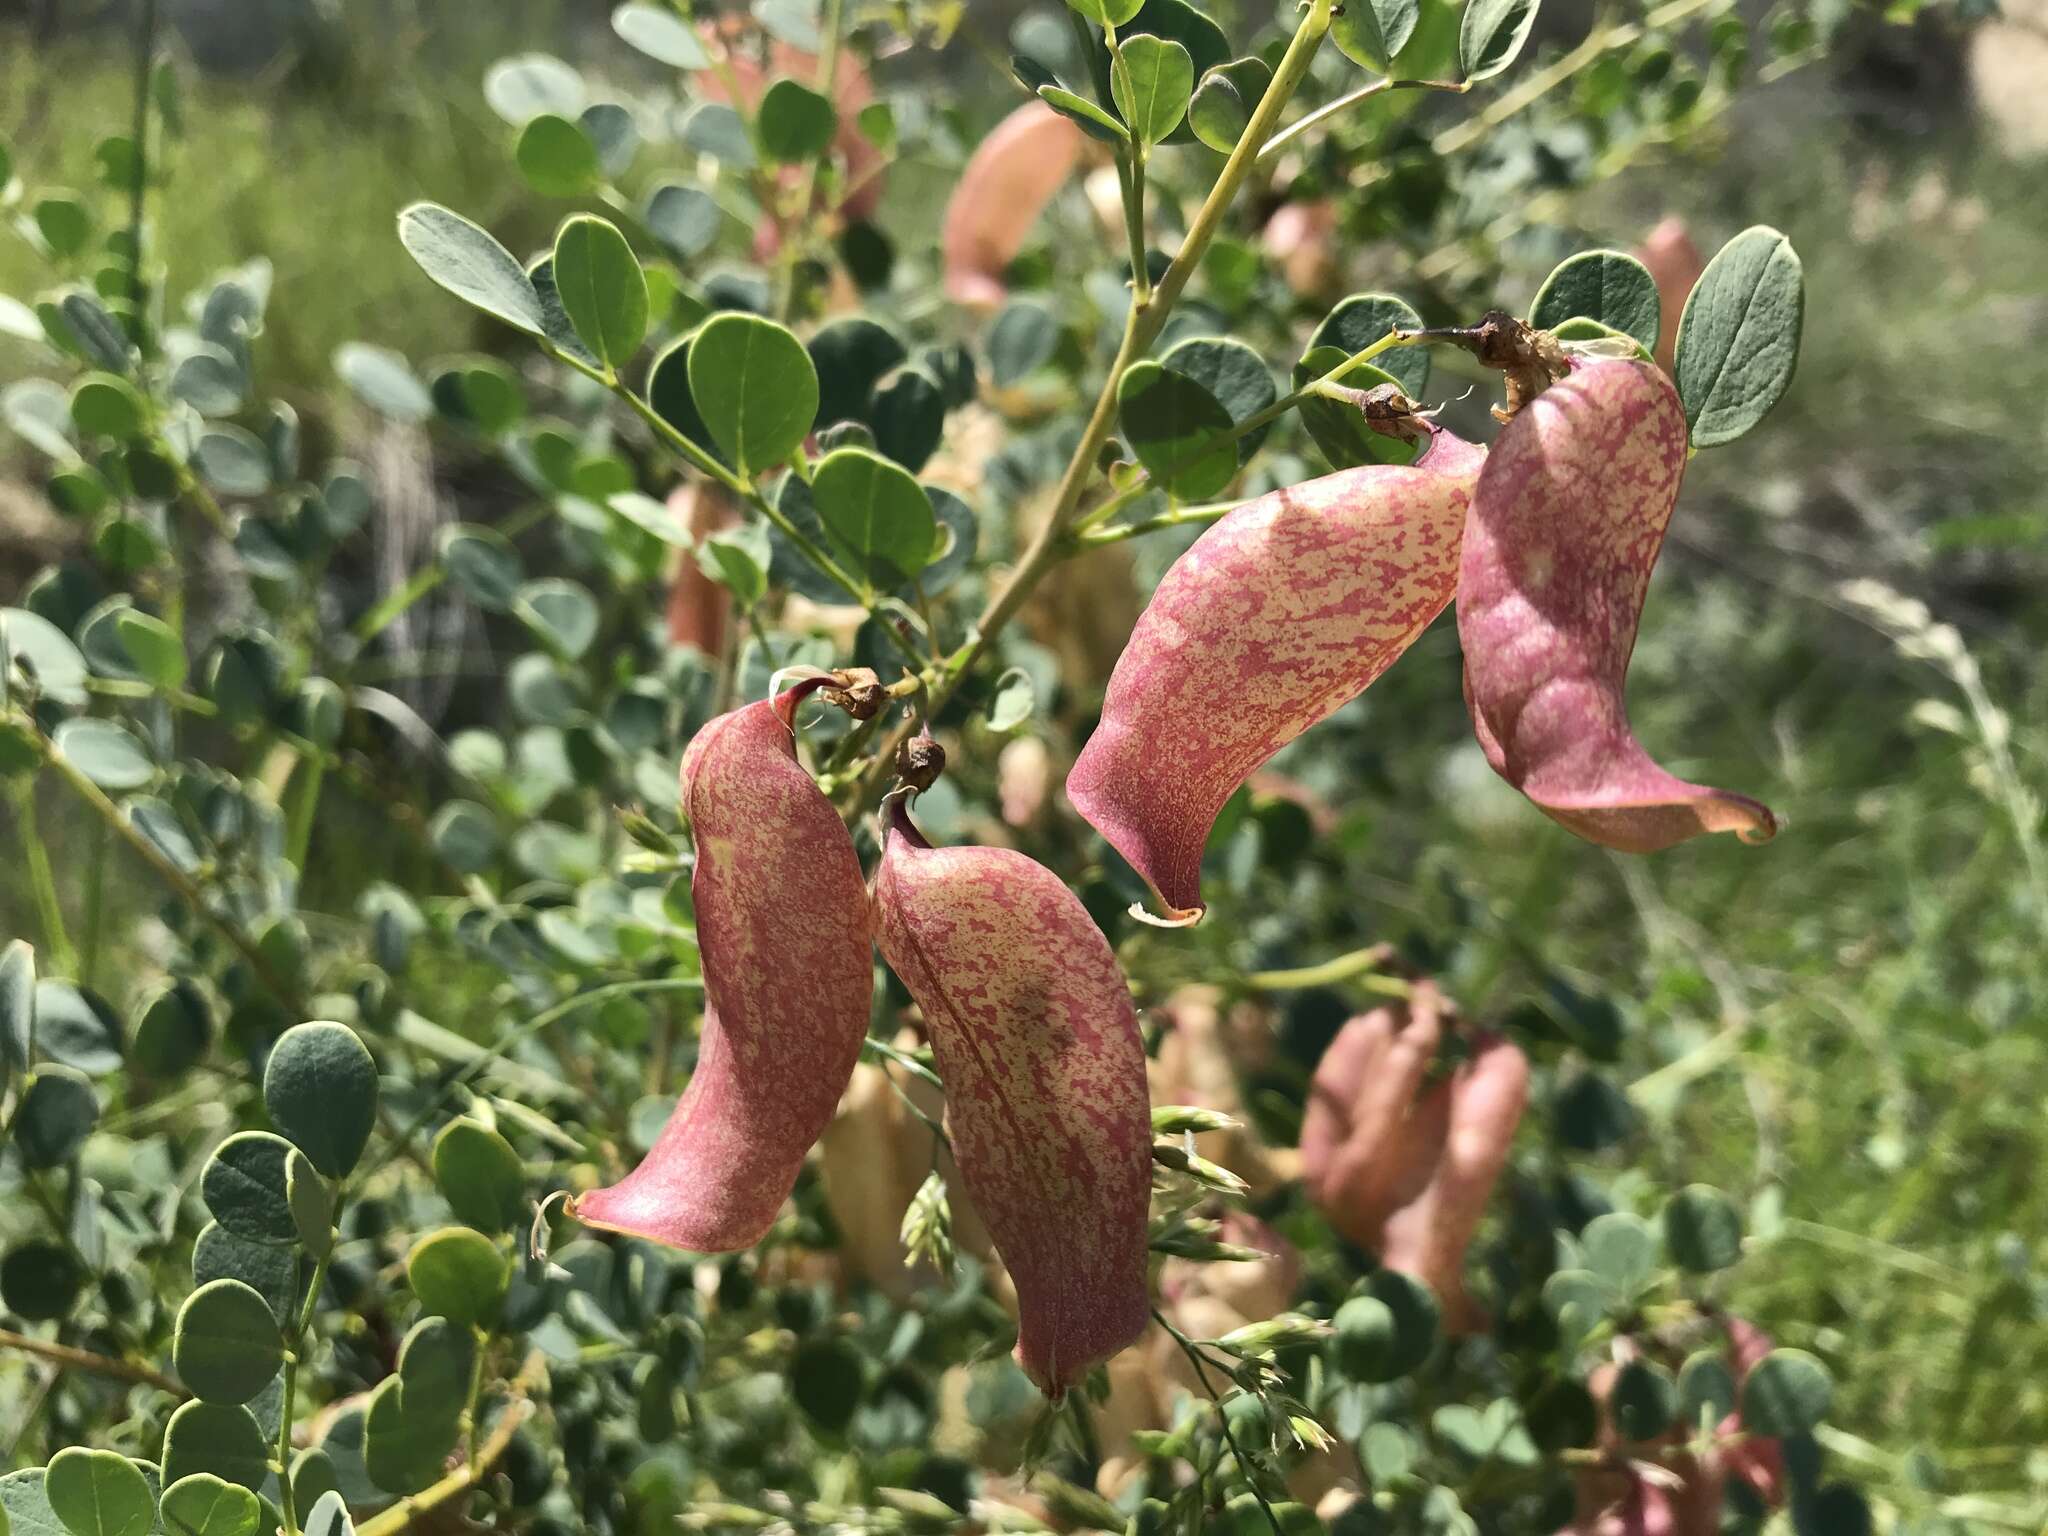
1567	519
1011	176
1370	1134
698	607
1427	1238
1031	1023
784	930
1402	1166
1286	609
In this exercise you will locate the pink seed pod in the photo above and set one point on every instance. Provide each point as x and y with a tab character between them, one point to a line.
1009	179
1369	1135
699	607
1566	523
1675	265
1030	1019
784	929
1285	609
1404	1168
1427	1238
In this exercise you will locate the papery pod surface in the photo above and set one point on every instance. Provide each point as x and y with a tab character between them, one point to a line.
1567	519
1285	609
1009	179
1031	1022
784	930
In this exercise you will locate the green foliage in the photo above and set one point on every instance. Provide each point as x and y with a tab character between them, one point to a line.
233	692
1739	340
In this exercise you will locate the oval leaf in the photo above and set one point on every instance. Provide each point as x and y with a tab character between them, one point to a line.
1738	341
756	388
470	264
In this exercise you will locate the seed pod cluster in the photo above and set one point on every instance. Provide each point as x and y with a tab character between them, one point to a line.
1401	1165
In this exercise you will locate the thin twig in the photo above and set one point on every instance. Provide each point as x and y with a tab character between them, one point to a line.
169	873
98	1365
400	1516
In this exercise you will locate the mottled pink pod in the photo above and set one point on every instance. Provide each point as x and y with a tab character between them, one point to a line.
784	929
1011	176
1285	609
1030	1019
1566	523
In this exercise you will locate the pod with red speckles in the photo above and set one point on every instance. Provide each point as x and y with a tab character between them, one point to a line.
784	929
1012	175
1287	608
1031	1023
1566	523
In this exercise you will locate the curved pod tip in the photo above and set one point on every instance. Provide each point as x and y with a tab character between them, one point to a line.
785	932
1285	609
1031	1022
1567	520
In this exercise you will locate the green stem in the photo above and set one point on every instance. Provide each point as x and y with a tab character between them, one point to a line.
67	1358
1313	120
294	1344
313	768
1359	962
42	882
1142	325
474	1446
402	1515
1130	170
1244	1464
1175	518
169	873
381	617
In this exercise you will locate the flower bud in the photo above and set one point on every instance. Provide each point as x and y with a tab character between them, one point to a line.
783	926
1287	608
1031	1023
1566	522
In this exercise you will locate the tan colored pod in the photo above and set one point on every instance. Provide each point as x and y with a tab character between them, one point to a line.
1031	1022
784	929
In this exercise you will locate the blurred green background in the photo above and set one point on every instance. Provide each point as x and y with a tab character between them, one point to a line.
1859	1018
